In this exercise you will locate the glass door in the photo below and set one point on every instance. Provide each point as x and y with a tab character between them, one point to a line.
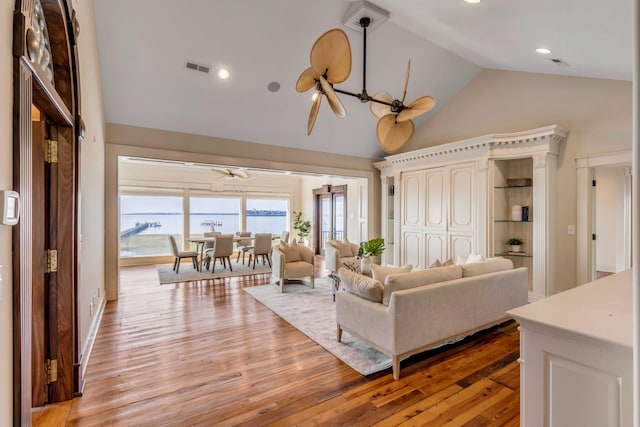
330	215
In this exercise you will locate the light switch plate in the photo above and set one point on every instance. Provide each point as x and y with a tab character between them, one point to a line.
571	230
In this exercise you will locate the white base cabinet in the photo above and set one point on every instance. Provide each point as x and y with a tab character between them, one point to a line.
576	356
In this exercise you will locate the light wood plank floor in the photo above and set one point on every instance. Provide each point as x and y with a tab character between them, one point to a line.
207	353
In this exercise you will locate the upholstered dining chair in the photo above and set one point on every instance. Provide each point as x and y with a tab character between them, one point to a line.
284	237
243	245
222	250
181	254
261	247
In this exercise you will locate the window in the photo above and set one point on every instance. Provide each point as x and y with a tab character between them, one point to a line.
146	222
266	215
214	214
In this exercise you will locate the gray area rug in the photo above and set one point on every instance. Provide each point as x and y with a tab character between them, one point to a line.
189	274
312	311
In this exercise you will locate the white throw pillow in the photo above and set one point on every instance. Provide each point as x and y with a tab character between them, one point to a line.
473	258
360	285
380	273
461	260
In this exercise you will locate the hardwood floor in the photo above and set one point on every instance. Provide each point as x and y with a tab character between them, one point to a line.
207	353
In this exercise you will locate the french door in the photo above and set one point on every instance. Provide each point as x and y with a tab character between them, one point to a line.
330	215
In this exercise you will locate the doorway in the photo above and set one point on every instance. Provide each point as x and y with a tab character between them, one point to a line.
330	215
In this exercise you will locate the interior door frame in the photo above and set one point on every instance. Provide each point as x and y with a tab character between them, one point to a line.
318	194
585	227
60	104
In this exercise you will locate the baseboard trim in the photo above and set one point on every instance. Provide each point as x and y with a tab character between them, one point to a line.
91	338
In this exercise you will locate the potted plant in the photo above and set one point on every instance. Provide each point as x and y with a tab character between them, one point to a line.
368	249
515	244
303	227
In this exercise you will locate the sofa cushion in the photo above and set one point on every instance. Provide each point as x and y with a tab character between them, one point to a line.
414	279
360	285
475	269
380	272
291	252
343	247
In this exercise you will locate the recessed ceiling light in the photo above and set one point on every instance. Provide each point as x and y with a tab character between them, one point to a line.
543	50
224	73
472	1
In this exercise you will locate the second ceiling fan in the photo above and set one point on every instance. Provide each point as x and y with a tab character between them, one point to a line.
331	64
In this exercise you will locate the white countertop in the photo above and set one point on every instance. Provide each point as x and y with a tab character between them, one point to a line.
602	310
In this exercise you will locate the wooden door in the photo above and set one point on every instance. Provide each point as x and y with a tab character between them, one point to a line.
40	291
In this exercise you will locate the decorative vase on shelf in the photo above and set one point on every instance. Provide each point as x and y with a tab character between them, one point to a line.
516	248
516	213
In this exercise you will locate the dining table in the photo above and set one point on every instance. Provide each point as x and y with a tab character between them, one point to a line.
201	241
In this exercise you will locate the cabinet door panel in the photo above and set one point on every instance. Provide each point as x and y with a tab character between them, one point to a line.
462	198
435	199
411	199
434	248
460	244
411	243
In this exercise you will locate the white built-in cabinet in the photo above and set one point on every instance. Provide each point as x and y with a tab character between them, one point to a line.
449	200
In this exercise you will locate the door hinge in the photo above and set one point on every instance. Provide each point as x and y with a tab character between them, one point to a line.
50	261
593	183
51	151
51	370
593	236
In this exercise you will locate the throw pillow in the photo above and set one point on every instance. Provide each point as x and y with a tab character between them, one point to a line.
461	260
436	264
380	273
398	282
478	268
473	258
343	247
360	285
291	252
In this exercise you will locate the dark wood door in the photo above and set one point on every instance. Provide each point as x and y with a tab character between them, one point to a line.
40	336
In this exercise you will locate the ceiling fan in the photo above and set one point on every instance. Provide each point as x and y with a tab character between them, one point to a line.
231	174
331	64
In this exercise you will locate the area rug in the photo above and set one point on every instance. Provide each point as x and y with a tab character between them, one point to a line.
189	274
312	311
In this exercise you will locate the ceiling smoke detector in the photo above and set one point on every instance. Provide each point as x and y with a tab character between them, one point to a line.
363	9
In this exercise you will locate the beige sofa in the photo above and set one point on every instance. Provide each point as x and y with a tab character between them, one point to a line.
337	252
413	312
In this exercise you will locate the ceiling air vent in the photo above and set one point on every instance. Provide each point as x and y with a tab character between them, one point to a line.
559	61
198	67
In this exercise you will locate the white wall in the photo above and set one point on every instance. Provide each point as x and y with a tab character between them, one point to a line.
91	288
6	183
596	112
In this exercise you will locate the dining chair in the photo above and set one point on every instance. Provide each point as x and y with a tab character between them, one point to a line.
261	247
222	250
284	237
243	245
209	245
182	254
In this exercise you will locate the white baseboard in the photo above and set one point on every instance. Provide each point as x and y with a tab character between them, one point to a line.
609	268
91	338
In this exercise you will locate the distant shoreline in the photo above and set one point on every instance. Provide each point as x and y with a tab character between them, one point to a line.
249	213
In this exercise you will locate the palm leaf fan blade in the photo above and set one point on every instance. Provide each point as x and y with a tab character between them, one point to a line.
392	135
417	108
331	56
334	101
307	80
314	113
380	110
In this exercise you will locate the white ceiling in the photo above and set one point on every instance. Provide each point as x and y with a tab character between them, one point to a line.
144	45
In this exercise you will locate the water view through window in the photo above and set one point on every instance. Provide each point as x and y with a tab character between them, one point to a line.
147	221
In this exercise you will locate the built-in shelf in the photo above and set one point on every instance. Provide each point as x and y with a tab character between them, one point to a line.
525	255
513	186
509	220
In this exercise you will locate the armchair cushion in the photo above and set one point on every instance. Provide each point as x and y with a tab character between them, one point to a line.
360	285
291	251
344	248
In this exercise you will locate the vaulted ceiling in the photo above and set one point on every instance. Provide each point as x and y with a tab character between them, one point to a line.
144	46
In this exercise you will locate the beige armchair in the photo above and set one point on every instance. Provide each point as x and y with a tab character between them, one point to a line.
337	252
292	262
